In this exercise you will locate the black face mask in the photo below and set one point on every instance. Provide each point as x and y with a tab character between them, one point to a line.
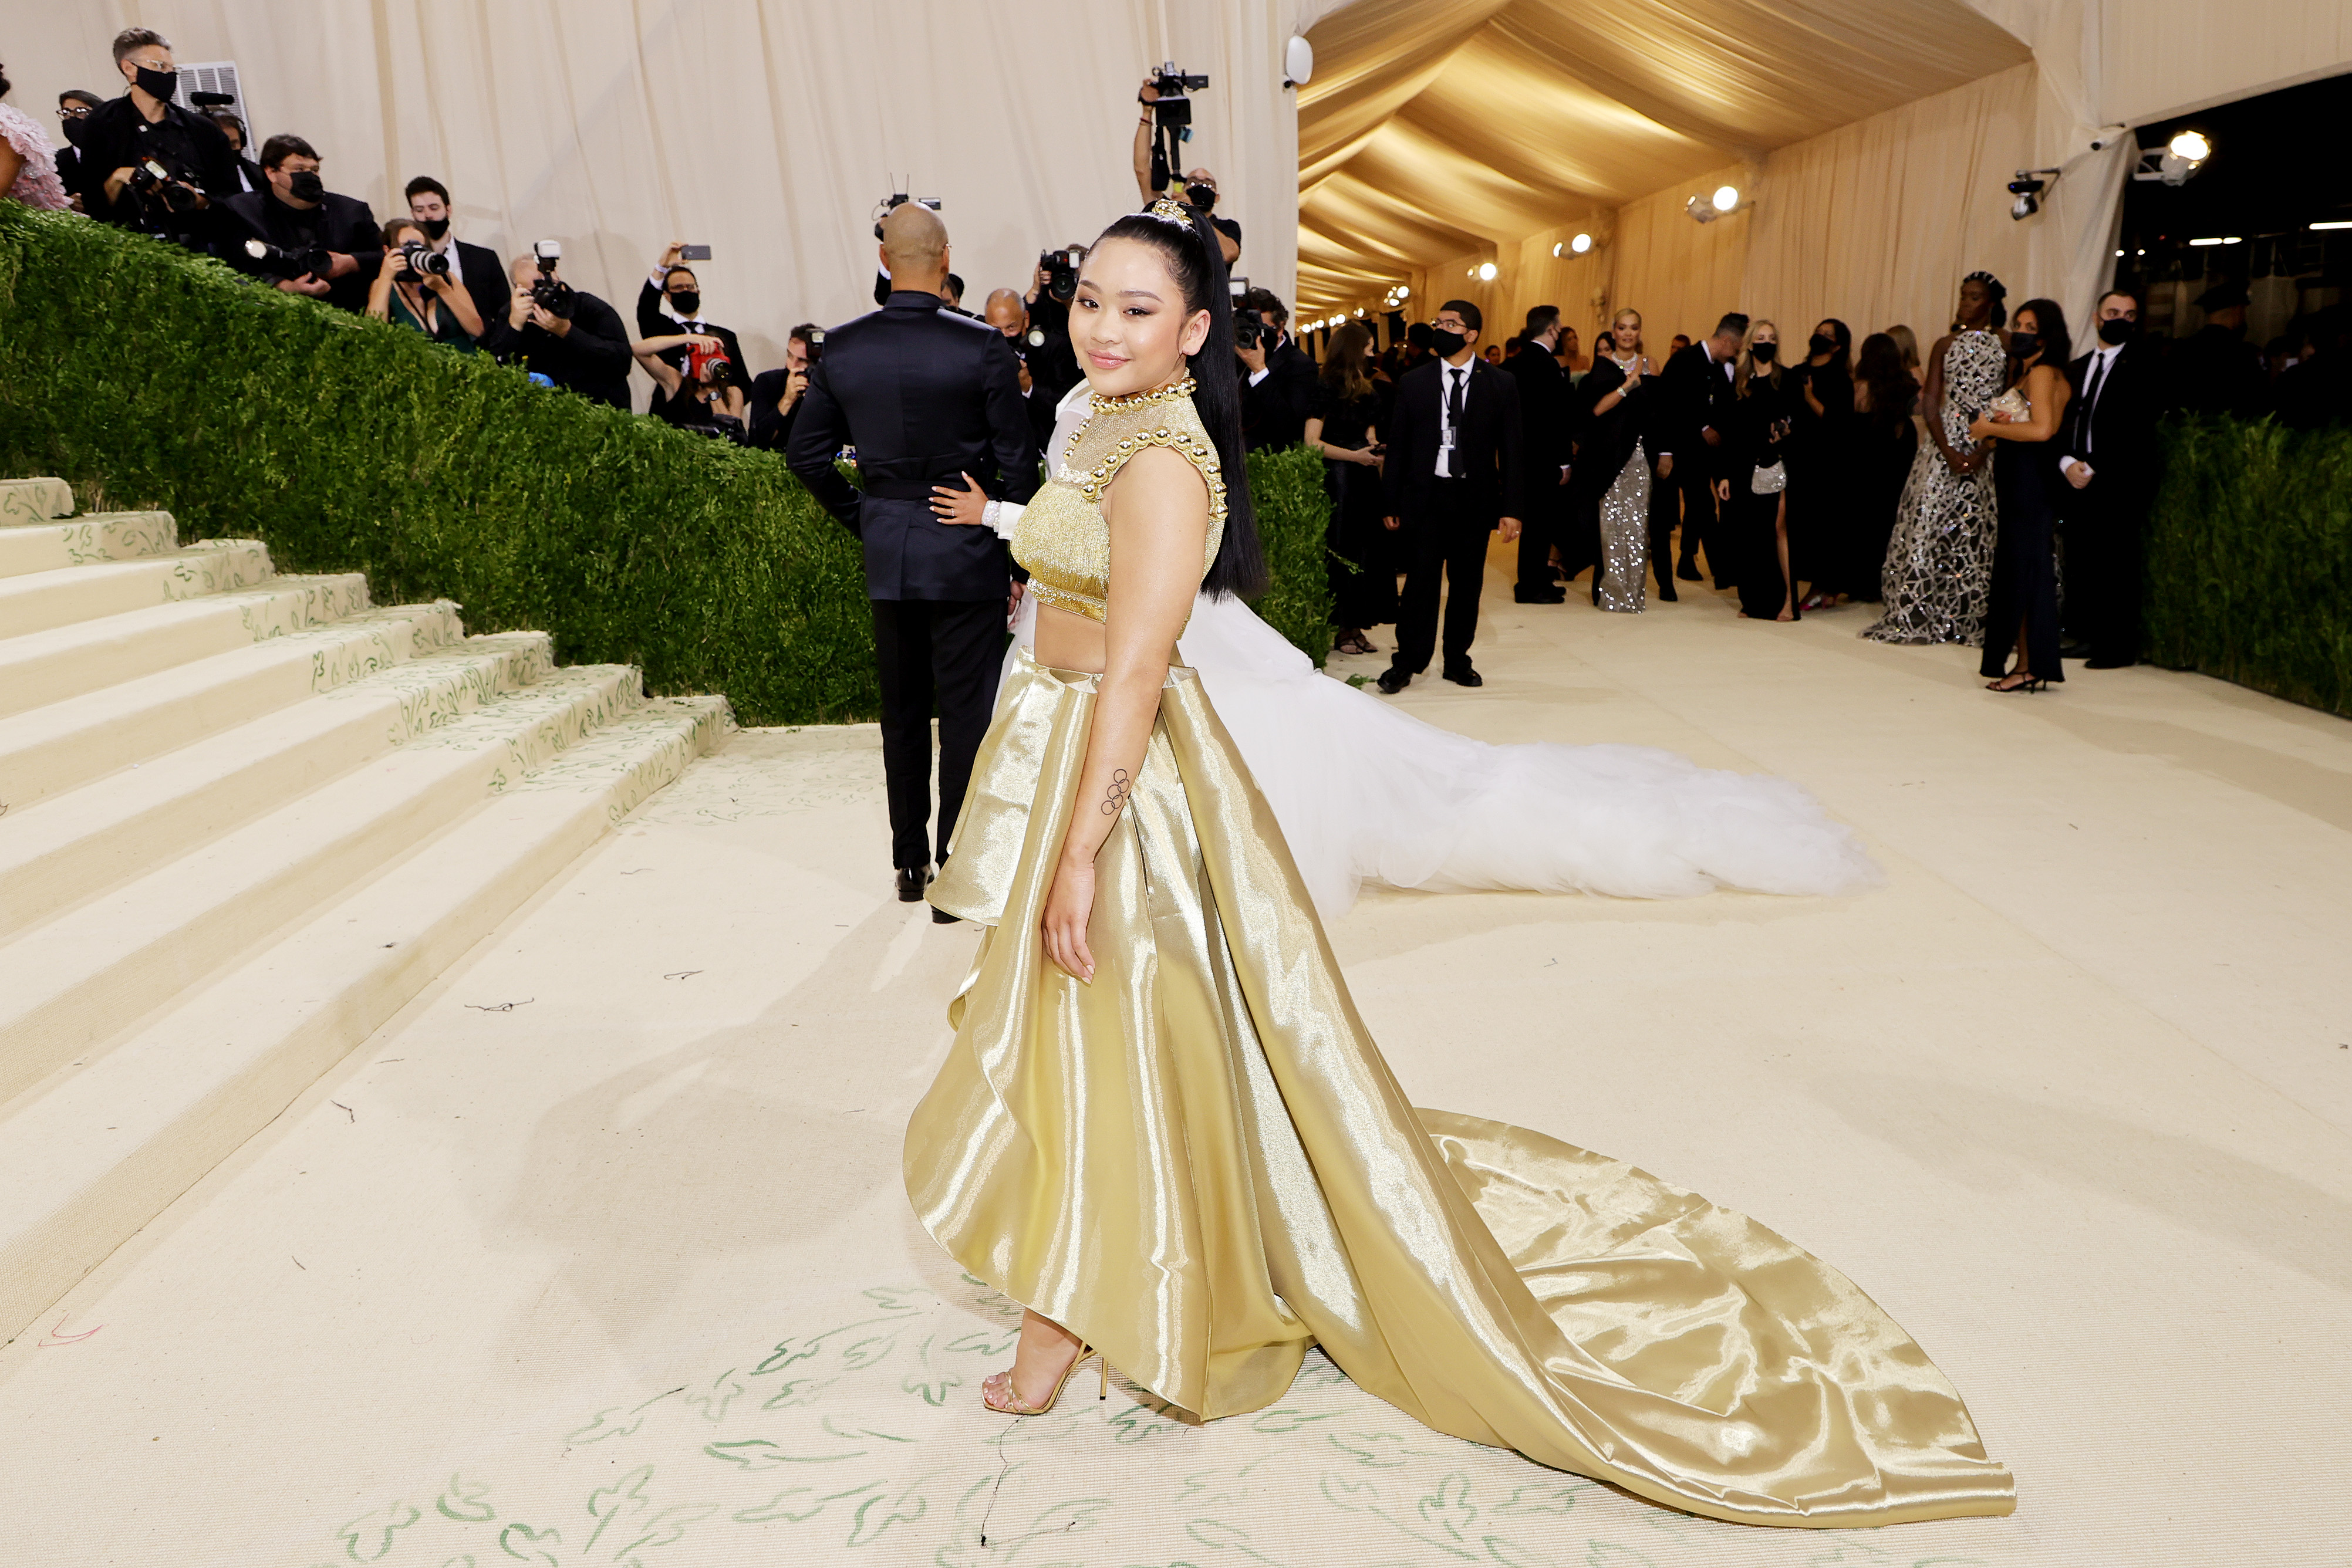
685	302
2025	345
1202	196
1765	353
304	185
1446	344
433	227
2115	329
159	85
1822	343
73	129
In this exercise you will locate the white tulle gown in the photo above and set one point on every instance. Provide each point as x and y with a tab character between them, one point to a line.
1365	792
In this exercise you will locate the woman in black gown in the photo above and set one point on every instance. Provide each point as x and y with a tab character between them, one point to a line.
1821	464
1342	425
1758	444
2024	610
1885	397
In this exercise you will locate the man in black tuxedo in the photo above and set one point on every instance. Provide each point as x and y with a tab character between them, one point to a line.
1544	452
773	404
2110	457
673	284
926	396
1698	386
298	214
1279	387
1454	476
478	267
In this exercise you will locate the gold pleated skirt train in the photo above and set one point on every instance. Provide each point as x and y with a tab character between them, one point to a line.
1201	1164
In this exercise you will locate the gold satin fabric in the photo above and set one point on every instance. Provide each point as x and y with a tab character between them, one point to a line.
1201	1164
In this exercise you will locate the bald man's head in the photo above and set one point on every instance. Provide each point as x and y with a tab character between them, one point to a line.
915	248
1006	312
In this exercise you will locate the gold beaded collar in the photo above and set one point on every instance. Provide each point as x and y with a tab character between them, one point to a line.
1168	393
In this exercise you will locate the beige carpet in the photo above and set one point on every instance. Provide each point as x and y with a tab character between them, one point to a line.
597	1256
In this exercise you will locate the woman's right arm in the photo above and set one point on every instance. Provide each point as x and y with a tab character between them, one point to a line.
1931	404
1158	509
379	303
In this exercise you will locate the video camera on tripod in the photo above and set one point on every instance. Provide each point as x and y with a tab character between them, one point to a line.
549	292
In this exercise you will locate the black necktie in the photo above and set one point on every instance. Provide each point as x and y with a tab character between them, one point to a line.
2091	397
1457	375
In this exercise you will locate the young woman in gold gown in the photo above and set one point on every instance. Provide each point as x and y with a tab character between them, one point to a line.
1163	1129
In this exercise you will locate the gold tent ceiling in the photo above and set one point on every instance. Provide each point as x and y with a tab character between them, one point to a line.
1434	129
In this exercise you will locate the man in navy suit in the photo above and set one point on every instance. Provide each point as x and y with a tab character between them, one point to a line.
926	395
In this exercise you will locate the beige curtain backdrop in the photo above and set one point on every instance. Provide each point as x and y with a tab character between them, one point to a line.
766	129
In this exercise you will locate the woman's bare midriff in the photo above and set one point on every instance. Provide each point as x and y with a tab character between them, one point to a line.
1069	642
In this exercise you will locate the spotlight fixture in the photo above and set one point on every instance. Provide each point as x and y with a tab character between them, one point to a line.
2025	191
1581	243
1486	272
1707	209
2177	160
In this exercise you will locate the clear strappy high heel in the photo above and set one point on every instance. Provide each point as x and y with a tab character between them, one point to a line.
1015	1405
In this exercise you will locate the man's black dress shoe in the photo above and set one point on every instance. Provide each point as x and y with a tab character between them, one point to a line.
1539	595
1465	676
2107	664
1688	569
912	880
1666	592
1392	681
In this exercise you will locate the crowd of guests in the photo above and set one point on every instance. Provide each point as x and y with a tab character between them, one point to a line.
1992	492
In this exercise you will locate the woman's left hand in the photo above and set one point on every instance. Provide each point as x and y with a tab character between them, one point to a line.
967	505
1982	427
1366	456
1069	905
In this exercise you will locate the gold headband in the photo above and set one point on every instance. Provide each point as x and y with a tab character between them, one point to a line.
1173	211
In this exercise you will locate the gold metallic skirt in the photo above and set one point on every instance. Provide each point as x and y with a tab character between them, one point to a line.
1201	1164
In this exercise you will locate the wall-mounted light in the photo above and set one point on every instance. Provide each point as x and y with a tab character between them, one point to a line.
2177	161
1707	209
1486	270
1581	243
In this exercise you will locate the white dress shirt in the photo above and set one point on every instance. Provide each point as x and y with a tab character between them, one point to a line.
2103	365
1449	375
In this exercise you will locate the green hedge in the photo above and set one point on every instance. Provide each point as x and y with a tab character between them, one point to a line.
2250	559
150	378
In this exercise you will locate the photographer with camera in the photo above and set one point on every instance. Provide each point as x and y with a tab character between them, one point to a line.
476	266
416	287
309	240
705	394
1051	288
248	172
774	401
569	336
1049	367
1280	377
1159	136
147	164
670	305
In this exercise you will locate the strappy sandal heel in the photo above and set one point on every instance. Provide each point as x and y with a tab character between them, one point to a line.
2030	684
1015	1405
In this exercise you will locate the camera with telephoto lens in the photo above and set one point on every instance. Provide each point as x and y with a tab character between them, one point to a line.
150	177
1061	270
419	260
297	260
551	293
1250	329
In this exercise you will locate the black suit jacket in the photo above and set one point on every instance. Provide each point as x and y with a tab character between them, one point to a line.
1543	416
2116	434
1274	411
652	323
492	292
1053	370
343	223
1486	448
116	136
592	360
1697	395
923	394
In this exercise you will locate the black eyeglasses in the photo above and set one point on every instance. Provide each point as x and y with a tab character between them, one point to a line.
73	111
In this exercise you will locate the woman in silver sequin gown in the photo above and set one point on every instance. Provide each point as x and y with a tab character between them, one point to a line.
1610	481
1938	568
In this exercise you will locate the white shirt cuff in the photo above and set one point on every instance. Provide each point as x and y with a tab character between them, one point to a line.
1257	376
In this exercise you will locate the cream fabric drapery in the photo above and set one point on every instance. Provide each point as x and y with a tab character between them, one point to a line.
768	129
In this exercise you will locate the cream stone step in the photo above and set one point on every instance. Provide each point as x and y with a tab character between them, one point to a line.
82	842
80	541
103	1149
73	982
35	500
43	599
55	747
45	667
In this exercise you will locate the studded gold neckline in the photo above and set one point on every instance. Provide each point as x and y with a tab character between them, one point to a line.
1169	393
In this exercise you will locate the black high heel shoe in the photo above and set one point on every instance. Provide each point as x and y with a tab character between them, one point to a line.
2030	684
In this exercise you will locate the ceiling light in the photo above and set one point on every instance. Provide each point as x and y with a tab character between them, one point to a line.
2177	160
1486	272
1581	243
2191	146
2334	224
2210	239
1726	198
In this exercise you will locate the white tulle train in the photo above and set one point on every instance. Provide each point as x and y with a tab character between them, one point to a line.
1367	793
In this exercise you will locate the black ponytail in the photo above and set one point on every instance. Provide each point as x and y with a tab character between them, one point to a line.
1198	264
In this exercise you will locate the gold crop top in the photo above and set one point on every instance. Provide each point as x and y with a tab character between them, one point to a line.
1062	538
